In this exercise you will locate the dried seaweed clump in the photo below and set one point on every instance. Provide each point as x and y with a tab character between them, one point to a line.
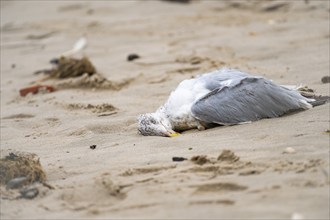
21	165
68	73
66	67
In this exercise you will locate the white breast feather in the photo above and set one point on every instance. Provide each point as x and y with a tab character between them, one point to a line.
183	97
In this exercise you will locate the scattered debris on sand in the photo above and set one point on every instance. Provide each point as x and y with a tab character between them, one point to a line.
69	72
15	166
36	89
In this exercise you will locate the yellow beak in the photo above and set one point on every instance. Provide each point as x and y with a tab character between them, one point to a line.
174	134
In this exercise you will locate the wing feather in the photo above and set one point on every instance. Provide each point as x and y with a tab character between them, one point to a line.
251	99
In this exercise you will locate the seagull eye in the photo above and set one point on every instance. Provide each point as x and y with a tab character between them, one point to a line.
153	121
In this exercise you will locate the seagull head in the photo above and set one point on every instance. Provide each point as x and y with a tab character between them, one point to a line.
153	124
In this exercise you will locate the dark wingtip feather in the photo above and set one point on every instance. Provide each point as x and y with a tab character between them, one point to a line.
320	100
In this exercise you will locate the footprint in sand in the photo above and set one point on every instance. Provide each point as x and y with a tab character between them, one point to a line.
101	192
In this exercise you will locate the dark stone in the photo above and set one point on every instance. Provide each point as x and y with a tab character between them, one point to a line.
178	159
132	57
92	146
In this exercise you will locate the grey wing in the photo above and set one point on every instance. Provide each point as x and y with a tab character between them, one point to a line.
223	76
250	100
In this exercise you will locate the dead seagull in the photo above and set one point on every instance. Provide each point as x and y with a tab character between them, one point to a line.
223	97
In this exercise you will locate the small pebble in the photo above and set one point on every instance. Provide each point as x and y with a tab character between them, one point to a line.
92	146
178	159
132	57
289	150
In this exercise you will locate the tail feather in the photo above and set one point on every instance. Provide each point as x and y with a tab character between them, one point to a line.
306	104
320	100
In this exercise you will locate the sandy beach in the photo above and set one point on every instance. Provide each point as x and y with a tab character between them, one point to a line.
130	176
